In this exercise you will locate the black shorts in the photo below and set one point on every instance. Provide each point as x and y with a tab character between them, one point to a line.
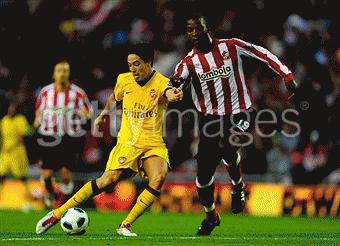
221	137
64	154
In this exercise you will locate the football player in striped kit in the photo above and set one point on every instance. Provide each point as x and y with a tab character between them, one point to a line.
61	108
213	68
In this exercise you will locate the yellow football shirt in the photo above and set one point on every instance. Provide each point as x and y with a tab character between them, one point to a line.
12	131
13	156
143	110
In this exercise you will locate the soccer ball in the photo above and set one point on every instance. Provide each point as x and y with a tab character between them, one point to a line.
74	221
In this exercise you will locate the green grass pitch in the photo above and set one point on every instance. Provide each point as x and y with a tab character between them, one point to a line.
17	228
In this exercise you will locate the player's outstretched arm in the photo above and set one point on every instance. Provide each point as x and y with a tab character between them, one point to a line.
273	62
37	119
110	105
173	94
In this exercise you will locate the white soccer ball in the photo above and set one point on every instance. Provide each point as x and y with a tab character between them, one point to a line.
74	221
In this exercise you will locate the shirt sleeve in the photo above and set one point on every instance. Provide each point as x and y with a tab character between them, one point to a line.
165	83
119	89
182	70
264	55
84	103
38	103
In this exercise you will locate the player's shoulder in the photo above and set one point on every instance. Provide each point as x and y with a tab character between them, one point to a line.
47	88
20	117
77	89
189	55
125	76
223	40
160	76
5	118
230	40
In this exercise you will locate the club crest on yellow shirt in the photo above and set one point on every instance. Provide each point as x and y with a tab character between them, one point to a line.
153	93
121	159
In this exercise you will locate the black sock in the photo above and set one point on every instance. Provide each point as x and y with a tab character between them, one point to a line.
206	195
234	168
235	173
48	186
212	215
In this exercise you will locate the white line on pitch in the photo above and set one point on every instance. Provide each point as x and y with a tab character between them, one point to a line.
165	238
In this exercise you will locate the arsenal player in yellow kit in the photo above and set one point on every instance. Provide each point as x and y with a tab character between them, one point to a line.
13	156
140	148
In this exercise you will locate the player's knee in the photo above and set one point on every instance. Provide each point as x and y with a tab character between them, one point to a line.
157	180
107	179
231	158
204	181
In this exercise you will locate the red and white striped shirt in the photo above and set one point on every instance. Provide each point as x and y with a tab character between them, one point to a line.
217	80
59	110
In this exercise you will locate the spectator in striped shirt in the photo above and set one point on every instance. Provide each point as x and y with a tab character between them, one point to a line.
62	108
213	68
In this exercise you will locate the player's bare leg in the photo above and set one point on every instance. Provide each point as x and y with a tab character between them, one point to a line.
156	169
91	188
50	195
67	184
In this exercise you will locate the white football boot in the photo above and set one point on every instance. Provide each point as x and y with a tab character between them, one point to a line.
46	223
126	231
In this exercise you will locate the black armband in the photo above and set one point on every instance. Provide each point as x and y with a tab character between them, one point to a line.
176	82
164	93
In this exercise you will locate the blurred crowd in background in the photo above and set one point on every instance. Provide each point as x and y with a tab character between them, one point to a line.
92	36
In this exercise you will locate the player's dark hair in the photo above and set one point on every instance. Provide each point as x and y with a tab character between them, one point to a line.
62	60
144	50
197	16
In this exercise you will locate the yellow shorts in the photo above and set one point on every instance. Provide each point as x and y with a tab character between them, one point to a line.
124	156
14	162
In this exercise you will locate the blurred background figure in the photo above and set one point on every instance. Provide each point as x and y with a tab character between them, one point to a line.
13	156
312	165
62	109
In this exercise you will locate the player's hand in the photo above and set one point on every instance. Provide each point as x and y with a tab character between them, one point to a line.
100	120
174	79
37	122
174	94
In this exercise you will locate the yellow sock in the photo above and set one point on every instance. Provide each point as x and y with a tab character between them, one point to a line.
82	195
145	199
